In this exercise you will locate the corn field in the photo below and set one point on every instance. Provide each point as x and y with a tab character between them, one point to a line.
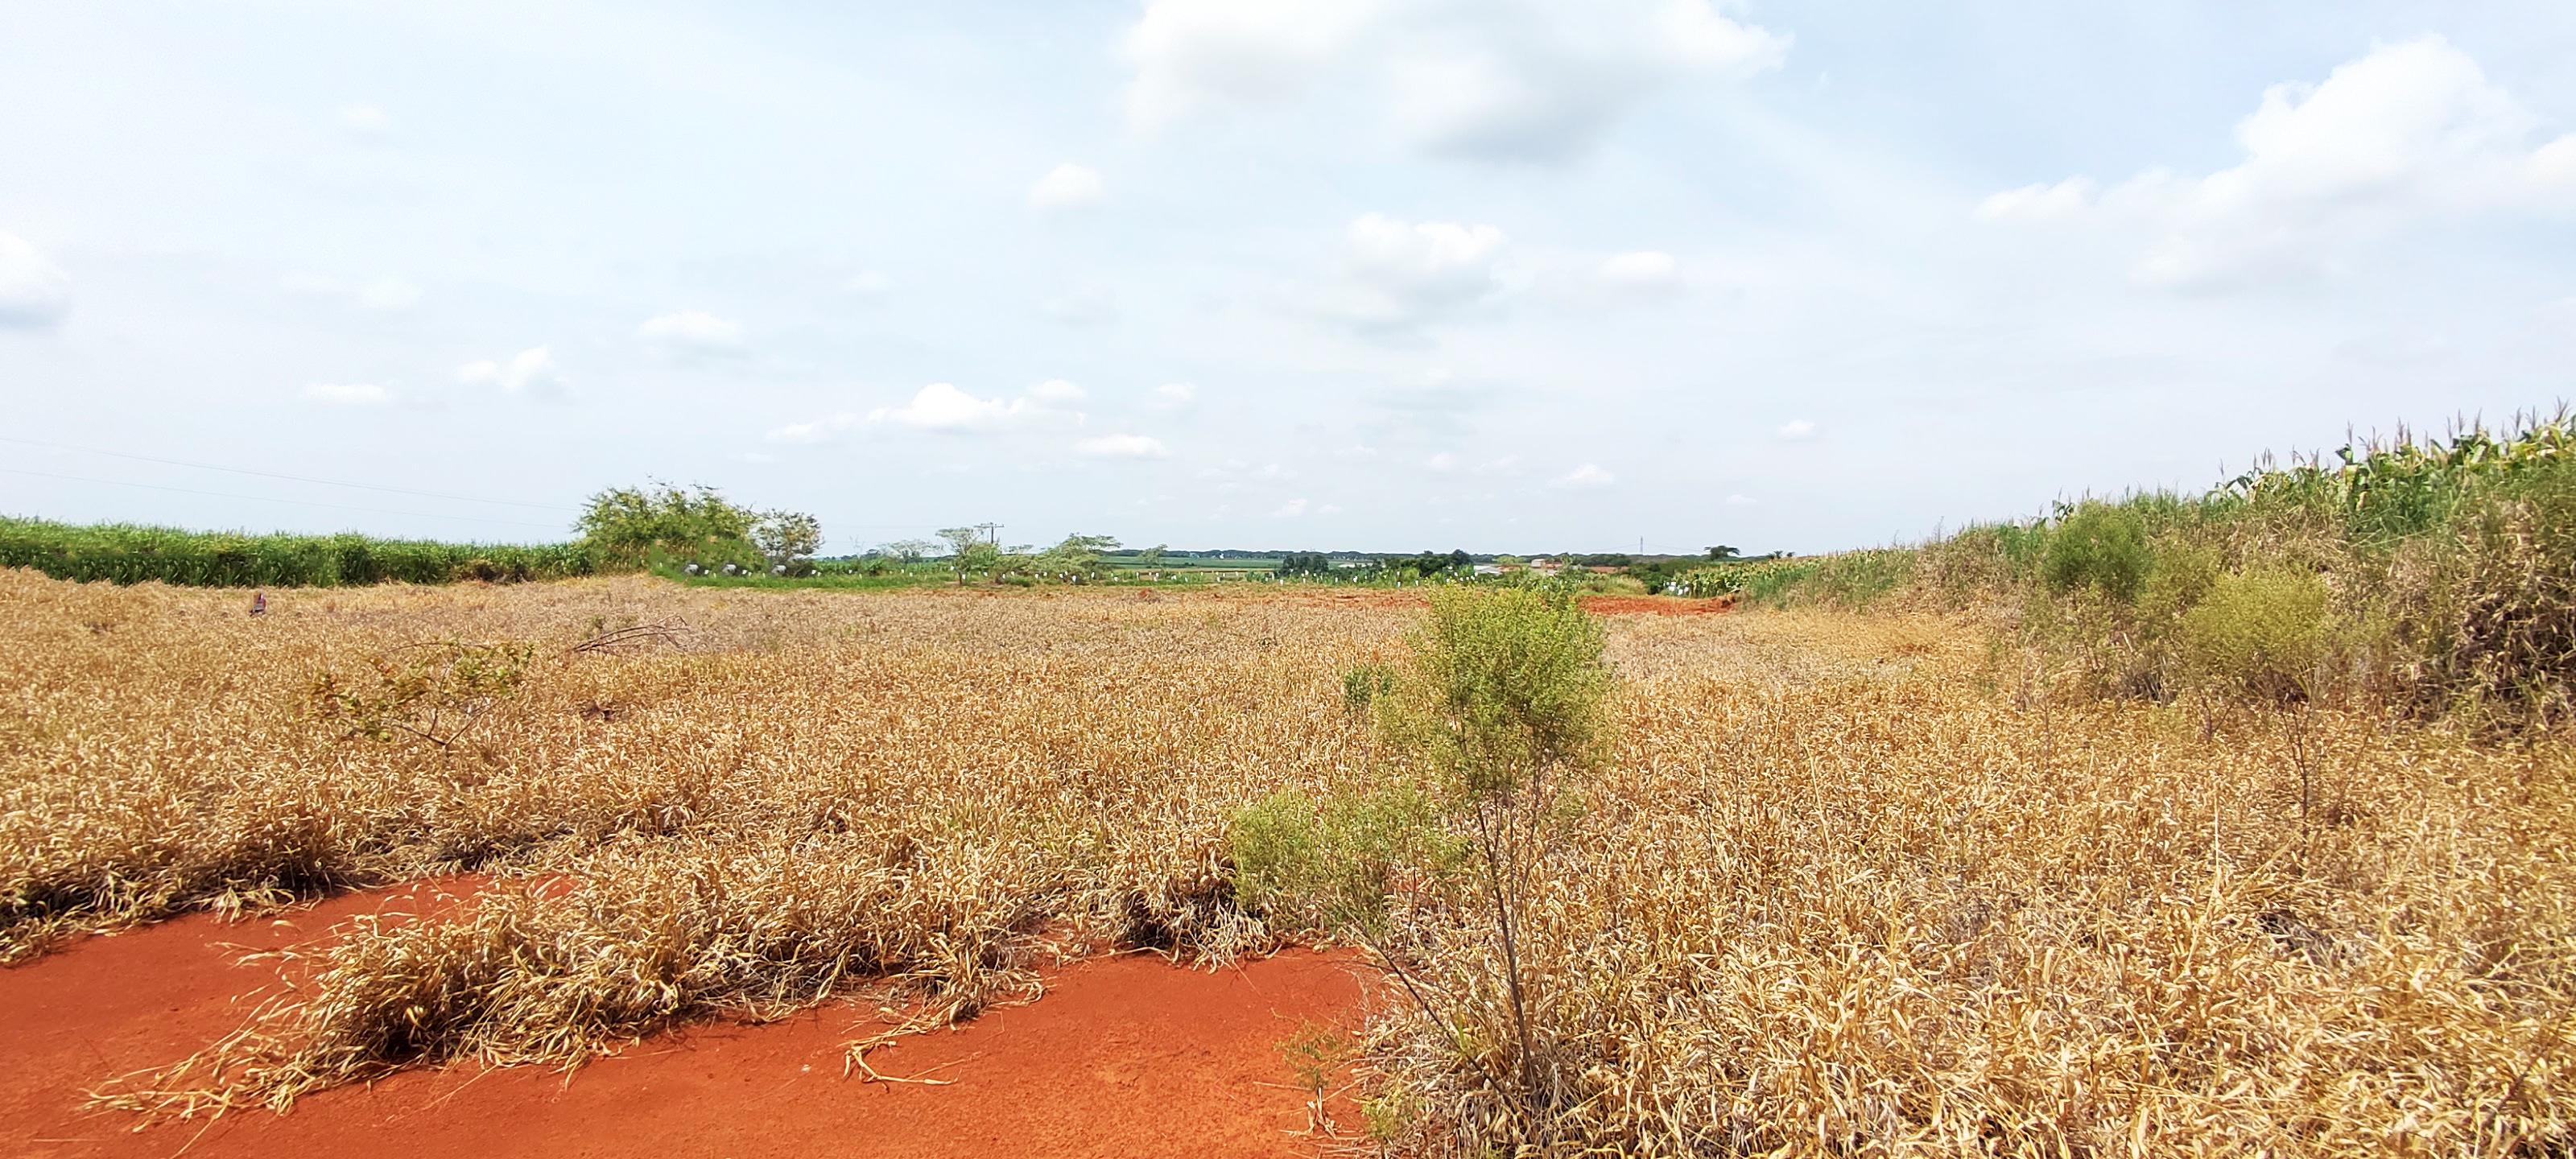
1849	883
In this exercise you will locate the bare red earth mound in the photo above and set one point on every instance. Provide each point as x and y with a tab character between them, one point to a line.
1656	605
1124	1056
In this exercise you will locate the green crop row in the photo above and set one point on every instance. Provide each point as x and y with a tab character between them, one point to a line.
127	554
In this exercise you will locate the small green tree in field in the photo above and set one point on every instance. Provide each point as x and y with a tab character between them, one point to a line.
1504	704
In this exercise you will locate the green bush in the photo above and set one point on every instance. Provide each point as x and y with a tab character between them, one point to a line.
1364	685
2183	576
2262	632
1328	863
2101	547
1515	681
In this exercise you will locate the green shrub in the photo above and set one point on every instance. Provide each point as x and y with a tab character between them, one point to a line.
2183	575
2264	632
1364	685
1515	680
2098	546
1328	863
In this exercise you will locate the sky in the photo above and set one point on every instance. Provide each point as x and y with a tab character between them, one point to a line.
1507	275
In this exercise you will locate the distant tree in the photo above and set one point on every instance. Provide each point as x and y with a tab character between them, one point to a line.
969	552
1151	559
1305	563
629	523
909	550
787	537
1078	557
1723	553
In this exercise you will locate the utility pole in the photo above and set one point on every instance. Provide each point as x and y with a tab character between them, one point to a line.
992	532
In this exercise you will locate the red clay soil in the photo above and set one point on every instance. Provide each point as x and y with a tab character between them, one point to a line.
1656	605
1125	1056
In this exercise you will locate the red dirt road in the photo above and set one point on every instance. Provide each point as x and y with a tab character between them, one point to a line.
1126	1056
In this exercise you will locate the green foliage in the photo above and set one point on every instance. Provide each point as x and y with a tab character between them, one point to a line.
433	692
2262	632
788	537
1305	563
1329	862
970	554
634	525
2099	546
1076	560
126	554
1516	683
1365	685
2496	625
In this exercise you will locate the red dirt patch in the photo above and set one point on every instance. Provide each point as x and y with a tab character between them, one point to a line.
1124	1056
1656	605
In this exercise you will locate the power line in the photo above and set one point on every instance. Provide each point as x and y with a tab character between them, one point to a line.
265	499
275	475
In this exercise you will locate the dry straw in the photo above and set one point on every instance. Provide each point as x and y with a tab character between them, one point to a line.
1851	885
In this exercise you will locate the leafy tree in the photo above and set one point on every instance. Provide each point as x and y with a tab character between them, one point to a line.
969	552
1151	559
909	550
1078	556
629	523
1722	553
1305	563
788	536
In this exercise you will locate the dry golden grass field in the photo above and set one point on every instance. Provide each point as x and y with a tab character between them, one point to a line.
1849	884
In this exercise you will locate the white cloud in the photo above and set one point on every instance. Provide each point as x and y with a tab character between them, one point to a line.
1444	461
2039	202
1587	475
34	292
1740	501
2409	134
1643	272
822	430
349	394
1067	186
1798	430
1123	447
692	331
1083	306
1174	395
1538	80
1058	390
1290	509
364	120
941	406
1400	274
531	371
384	294
869	284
